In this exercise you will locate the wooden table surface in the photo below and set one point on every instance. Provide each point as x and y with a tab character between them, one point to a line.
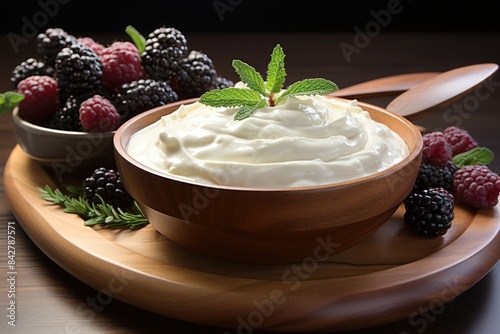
49	300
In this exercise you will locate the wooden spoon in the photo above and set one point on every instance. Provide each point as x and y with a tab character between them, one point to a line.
441	91
390	85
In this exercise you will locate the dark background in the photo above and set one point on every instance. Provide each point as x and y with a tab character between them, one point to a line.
78	16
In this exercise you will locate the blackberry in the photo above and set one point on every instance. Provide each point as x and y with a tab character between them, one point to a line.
196	75
106	183
432	176
50	42
452	167
163	53
78	71
430	212
29	67
222	82
67	117
141	95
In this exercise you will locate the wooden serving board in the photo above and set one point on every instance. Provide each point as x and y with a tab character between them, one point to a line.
390	276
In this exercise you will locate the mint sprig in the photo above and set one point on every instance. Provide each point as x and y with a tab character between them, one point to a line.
9	100
475	156
260	93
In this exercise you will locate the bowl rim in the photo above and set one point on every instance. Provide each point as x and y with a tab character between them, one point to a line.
122	151
37	129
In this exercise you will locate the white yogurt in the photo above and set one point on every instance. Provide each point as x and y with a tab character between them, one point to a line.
305	141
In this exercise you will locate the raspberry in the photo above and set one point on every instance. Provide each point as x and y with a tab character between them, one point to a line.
41	99
477	186
459	140
430	212
121	63
436	149
90	42
99	114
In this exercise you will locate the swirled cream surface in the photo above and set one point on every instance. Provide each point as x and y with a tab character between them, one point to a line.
304	141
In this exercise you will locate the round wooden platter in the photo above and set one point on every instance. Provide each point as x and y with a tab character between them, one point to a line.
392	275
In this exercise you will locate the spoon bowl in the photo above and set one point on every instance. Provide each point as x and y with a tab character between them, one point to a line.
441	91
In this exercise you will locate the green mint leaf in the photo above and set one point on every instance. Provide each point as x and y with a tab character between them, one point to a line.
258	92
250	76
276	70
230	97
318	86
475	156
14	97
9	100
247	110
137	38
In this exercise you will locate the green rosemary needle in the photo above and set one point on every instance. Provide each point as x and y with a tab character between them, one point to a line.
96	213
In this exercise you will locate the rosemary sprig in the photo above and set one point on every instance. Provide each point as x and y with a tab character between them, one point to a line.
96	214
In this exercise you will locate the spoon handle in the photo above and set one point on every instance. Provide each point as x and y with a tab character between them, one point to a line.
390	85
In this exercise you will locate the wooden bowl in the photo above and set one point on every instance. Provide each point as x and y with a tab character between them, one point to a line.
268	226
65	152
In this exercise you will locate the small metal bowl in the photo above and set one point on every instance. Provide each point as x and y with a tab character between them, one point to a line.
65	152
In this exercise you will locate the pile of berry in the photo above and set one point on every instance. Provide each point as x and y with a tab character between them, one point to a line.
453	169
105	183
79	84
